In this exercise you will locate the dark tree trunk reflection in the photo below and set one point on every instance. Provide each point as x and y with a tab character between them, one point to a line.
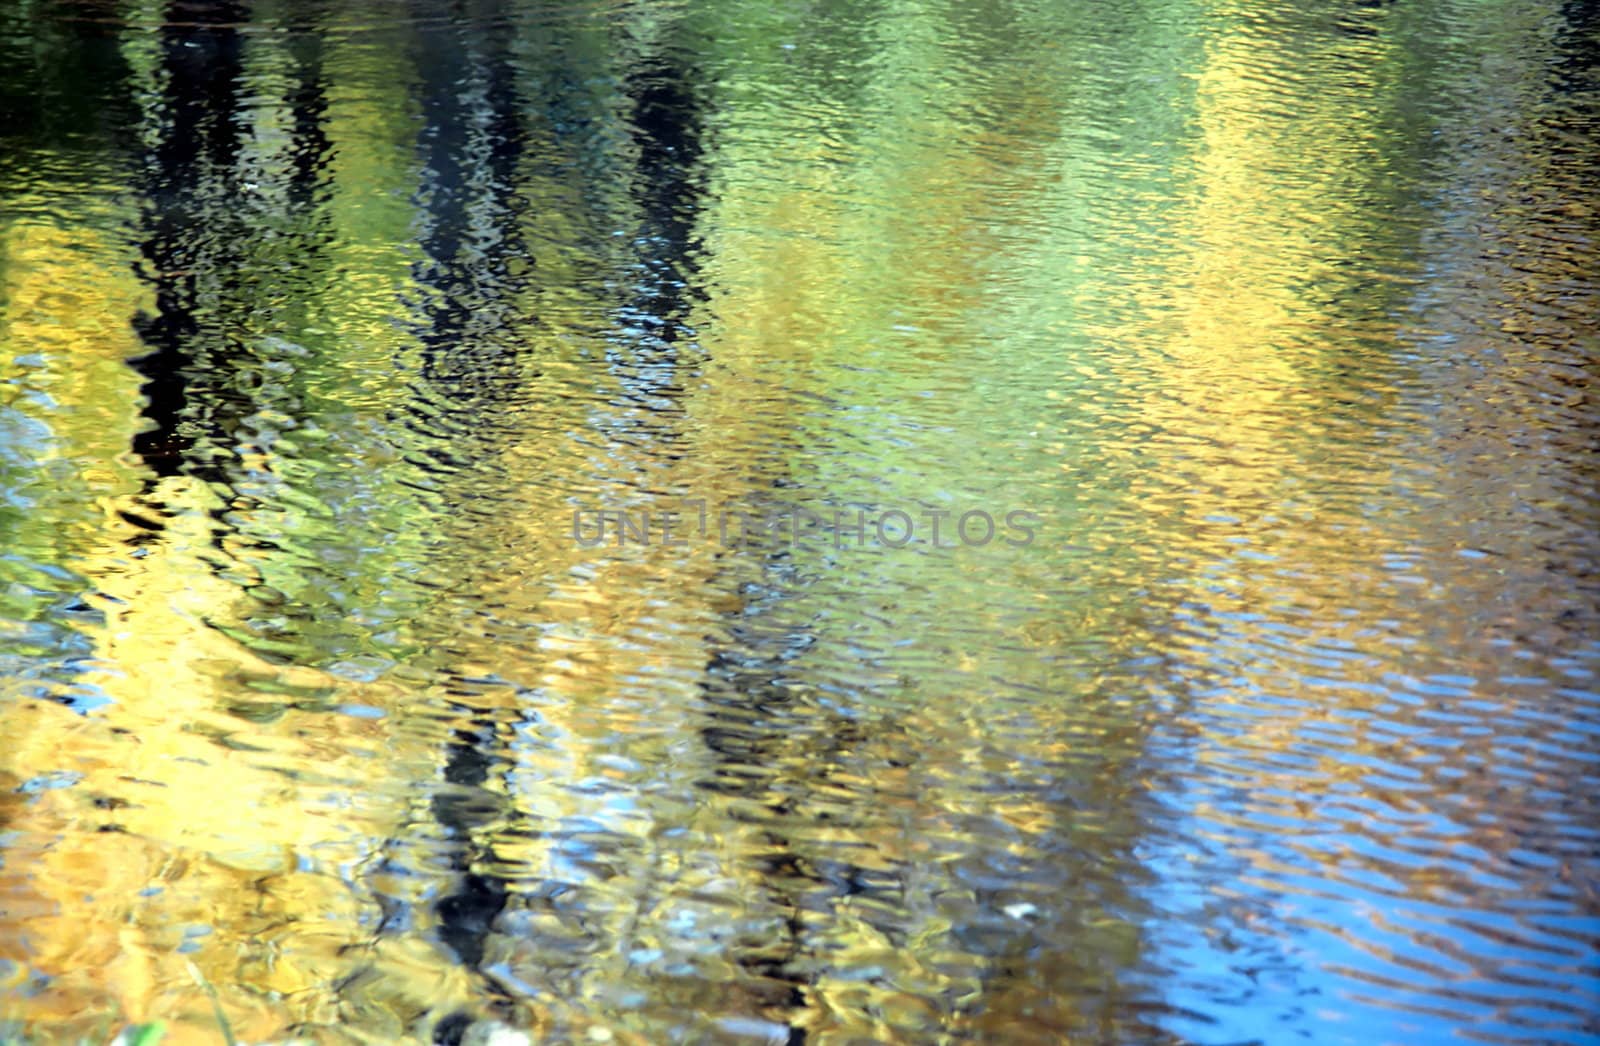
190	184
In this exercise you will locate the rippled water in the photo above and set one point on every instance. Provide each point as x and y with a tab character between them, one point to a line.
347	352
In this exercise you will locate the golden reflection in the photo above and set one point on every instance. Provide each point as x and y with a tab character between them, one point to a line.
1316	686
189	833
184	819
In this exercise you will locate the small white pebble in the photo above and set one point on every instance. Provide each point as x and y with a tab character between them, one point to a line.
493	1033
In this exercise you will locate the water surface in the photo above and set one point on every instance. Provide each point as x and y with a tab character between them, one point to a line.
1263	333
